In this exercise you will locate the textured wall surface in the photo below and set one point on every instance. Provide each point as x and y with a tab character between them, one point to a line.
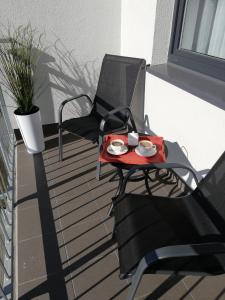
163	23
137	30
77	34
187	122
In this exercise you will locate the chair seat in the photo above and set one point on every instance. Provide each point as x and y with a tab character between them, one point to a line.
144	224
88	126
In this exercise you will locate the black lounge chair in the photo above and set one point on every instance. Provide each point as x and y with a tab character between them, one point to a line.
183	235
121	86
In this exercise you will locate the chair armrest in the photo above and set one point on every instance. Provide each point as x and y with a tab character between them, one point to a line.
68	100
185	251
178	251
113	112
157	166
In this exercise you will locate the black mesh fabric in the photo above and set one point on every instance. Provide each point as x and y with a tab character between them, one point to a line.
145	223
88	127
210	194
117	83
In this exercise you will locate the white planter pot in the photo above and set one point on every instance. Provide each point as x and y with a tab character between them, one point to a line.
31	129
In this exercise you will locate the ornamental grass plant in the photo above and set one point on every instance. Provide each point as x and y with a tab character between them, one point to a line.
18	61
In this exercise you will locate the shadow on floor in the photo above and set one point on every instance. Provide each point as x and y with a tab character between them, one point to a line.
76	231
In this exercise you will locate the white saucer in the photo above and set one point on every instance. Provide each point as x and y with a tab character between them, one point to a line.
150	154
123	151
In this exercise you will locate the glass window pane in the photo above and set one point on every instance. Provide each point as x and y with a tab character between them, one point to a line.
203	29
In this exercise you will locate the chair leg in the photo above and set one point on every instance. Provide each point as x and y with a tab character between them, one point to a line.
98	165
114	230
146	183
136	278
110	212
60	145
98	170
121	178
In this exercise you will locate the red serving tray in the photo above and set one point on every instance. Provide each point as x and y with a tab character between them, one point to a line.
131	157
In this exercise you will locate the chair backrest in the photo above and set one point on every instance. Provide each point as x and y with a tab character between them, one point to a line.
121	78
210	194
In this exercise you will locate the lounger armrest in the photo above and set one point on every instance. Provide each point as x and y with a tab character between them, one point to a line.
175	251
157	166
68	100
177	166
113	112
185	251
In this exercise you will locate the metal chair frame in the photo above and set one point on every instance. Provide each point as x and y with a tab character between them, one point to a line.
167	252
124	109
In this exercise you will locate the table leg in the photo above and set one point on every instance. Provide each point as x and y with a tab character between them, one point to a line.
147	177
121	177
167	178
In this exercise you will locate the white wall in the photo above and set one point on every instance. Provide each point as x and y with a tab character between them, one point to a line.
80	32
137	28
77	35
192	122
181	118
162	31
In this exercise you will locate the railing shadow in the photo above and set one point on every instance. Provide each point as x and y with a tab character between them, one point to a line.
164	287
55	283
58	277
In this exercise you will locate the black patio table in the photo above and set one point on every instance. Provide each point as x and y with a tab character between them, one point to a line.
123	168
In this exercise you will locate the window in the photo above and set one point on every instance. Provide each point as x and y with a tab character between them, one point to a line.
198	39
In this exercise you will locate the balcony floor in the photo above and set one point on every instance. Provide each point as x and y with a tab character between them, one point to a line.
63	235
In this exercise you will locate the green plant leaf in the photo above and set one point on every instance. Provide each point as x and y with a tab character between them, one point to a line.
18	63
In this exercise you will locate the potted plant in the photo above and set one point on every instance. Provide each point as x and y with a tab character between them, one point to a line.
18	61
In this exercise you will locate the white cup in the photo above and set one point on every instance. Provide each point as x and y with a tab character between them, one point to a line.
133	138
117	145
146	147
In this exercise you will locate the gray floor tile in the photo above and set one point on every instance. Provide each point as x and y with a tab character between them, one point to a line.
162	287
86	242
207	288
26	196
29	216
47	288
100	280
64	231
39	256
25	175
77	207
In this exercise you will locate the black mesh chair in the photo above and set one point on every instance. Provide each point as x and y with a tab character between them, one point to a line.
121	85
184	235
